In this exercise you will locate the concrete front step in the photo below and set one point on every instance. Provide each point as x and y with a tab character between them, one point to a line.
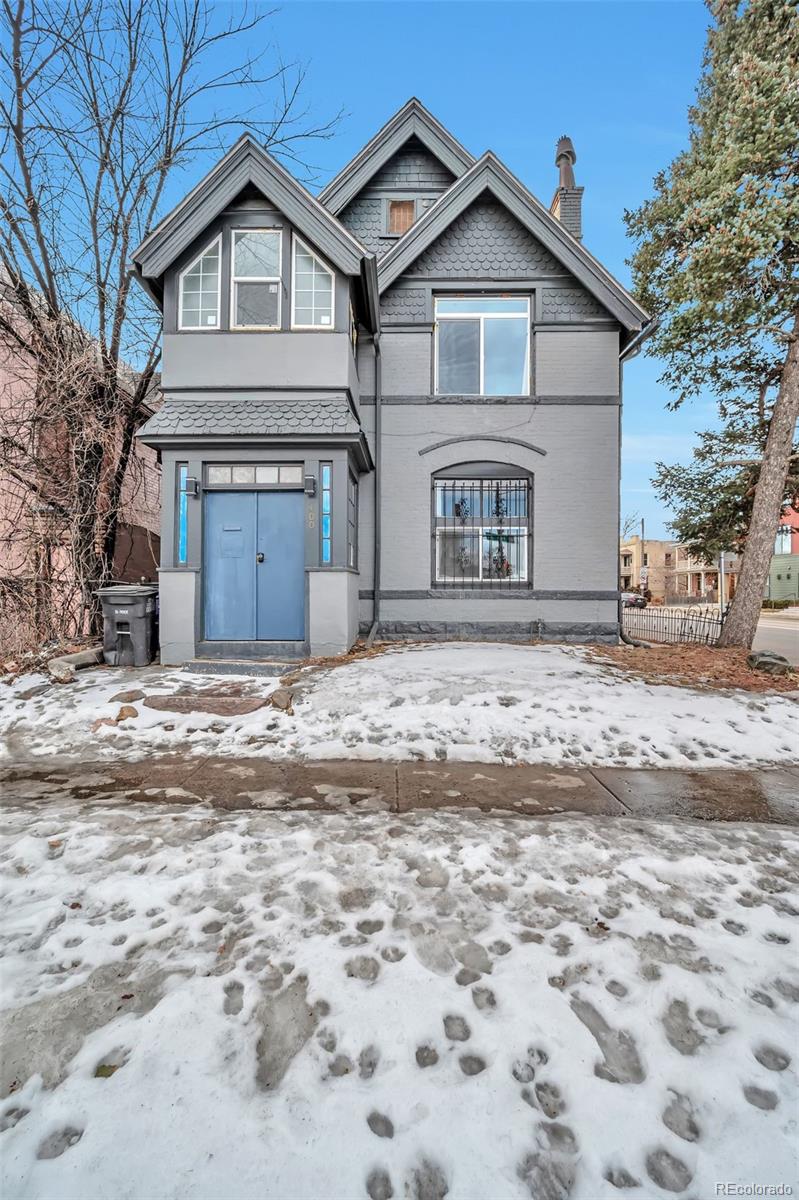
239	666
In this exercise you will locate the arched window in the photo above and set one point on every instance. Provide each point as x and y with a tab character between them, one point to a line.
482	526
199	290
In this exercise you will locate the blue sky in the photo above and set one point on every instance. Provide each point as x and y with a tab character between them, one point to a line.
512	77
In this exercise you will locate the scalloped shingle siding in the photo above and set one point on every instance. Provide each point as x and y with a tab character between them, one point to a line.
252	417
403	304
485	240
570	304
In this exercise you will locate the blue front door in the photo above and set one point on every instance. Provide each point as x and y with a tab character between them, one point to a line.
254	566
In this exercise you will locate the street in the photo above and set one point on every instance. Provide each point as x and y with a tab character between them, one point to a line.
780	634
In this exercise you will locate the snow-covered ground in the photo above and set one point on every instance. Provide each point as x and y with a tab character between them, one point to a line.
301	1005
469	702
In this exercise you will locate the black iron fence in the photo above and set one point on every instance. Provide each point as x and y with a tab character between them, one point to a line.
701	625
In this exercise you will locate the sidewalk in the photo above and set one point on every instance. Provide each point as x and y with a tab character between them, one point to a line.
357	786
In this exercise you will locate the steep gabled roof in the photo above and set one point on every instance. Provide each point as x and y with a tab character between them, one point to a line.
247	163
413	119
489	174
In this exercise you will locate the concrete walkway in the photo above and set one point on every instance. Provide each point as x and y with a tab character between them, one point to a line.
536	791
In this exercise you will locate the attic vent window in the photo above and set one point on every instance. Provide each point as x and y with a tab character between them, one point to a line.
401	215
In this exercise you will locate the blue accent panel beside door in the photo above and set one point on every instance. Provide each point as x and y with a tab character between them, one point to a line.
281	576
229	566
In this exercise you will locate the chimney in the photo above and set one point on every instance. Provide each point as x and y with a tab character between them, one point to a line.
567	203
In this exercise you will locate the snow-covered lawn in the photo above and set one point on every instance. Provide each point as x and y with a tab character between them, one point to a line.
300	1006
480	703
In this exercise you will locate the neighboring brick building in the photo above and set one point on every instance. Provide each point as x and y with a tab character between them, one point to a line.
38	595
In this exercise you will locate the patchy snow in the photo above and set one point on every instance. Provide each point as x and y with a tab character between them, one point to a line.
459	701
276	1006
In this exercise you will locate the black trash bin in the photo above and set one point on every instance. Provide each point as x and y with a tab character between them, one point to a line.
129	624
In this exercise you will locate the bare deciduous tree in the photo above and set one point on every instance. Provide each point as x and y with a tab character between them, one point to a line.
102	106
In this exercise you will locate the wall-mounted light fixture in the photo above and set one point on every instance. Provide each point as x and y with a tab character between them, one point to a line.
310	485
192	486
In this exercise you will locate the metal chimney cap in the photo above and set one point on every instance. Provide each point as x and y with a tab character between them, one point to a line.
565	148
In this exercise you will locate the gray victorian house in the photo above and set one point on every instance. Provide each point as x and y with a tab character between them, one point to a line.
395	405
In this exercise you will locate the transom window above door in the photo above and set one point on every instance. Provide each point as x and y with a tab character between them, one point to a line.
256	279
482	345
254	474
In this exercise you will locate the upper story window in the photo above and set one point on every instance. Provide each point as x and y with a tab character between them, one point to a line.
313	290
401	215
482	345
782	543
199	290
255	279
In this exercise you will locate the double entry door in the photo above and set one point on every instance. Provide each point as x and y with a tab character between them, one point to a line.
254	566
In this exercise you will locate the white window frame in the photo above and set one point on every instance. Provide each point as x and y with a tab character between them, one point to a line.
217	241
297	241
234	279
479	530
481	318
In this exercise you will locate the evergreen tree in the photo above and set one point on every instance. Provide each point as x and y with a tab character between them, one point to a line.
717	261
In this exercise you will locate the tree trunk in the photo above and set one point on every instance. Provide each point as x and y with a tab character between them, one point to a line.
741	624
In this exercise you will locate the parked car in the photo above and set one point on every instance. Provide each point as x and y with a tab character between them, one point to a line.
633	600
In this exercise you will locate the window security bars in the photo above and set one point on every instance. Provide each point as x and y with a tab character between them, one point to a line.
481	532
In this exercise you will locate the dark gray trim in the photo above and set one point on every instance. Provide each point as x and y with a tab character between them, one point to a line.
488	173
412	119
499	631
490	592
482	437
612	400
246	163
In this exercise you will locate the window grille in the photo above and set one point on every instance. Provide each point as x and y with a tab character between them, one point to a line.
481	532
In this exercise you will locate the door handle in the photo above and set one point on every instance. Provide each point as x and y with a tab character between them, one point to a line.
259	557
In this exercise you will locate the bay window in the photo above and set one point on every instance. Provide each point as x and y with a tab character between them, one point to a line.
255	283
312	306
482	345
199	290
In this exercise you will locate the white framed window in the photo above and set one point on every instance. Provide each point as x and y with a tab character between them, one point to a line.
782	542
482	530
482	345
255	278
199	289
313	290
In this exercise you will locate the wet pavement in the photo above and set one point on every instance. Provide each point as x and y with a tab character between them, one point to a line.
355	786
